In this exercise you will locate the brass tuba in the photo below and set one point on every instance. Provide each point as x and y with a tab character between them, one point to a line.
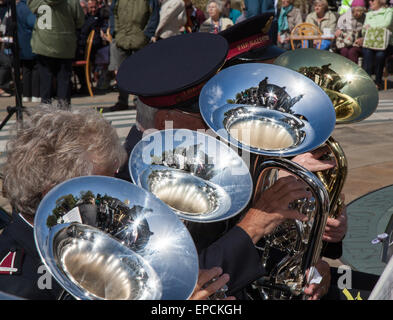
103	238
354	97
271	113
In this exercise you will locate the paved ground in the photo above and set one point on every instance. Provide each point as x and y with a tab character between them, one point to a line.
368	144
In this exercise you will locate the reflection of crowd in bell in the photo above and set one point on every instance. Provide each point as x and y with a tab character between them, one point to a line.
275	246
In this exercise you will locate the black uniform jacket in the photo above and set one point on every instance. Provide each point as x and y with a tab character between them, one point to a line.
21	266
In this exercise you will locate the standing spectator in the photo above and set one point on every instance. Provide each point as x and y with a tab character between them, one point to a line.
324	19
195	17
83	4
133	25
94	20
5	54
349	31
173	18
216	22
243	10
378	16
288	18
31	76
55	44
231	12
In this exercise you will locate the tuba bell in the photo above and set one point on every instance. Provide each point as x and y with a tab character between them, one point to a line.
354	97
270	113
103	238
200	178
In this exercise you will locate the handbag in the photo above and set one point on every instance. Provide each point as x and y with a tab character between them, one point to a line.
346	39
377	38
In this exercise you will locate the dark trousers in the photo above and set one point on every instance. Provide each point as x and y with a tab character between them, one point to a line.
374	61
31	78
59	69
352	53
5	71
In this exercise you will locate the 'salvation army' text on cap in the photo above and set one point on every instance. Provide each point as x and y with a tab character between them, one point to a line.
249	40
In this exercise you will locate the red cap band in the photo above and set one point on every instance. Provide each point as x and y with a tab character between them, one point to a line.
255	41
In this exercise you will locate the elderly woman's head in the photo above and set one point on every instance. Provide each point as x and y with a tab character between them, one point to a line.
56	145
214	9
286	3
358	8
320	7
377	4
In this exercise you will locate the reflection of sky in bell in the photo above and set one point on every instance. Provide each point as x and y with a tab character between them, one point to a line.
214	94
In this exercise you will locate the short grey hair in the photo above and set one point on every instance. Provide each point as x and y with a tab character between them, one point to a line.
324	3
53	146
219	3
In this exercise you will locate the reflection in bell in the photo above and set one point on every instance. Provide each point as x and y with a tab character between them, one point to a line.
261	134
102	267
100	274
183	192
185	198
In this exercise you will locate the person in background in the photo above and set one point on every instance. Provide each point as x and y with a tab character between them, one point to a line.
288	18
93	21
6	83
324	19
345	6
256	7
31	76
378	16
216	22
55	47
243	10
349	31
131	30
173	18
230	12
83	4
195	17
305	7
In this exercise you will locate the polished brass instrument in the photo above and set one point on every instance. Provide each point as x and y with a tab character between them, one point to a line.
334	179
354	97
272	112
103	238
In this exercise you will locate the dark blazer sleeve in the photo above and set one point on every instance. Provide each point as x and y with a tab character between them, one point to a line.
235	253
332	250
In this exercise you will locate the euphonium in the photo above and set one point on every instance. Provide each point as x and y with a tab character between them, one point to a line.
105	238
200	178
271	112
354	97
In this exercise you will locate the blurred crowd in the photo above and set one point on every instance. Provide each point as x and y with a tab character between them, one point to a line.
52	59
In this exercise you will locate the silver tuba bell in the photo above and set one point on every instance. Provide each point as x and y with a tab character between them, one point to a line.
105	238
270	113
202	179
